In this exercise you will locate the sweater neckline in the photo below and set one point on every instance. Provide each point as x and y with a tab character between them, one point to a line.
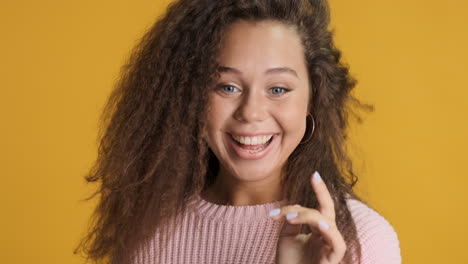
243	213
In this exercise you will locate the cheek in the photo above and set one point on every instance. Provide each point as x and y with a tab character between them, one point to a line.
217	116
293	124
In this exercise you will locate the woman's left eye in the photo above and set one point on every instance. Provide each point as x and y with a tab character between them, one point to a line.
279	90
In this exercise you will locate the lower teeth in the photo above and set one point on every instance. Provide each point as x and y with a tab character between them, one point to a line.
255	151
259	149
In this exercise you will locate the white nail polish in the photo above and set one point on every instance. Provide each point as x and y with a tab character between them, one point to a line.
317	177
323	225
291	216
274	212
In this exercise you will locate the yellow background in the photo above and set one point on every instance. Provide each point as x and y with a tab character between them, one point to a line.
59	60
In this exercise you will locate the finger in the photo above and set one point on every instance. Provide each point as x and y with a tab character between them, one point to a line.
326	205
338	245
280	213
308	216
288	212
328	231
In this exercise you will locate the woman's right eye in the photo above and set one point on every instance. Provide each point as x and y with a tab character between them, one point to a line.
228	88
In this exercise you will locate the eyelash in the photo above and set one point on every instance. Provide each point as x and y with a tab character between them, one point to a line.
285	90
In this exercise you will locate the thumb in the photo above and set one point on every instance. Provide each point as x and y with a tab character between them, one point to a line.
288	229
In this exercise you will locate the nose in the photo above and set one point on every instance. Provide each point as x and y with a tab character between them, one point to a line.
252	108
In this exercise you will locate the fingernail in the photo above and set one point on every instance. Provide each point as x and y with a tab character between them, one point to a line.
323	225
317	177
291	216
274	212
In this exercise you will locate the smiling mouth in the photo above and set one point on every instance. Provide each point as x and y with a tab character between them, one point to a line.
250	146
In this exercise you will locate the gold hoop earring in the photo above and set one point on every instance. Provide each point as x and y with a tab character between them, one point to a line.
313	128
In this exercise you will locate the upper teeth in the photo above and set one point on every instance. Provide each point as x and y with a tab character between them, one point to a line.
252	140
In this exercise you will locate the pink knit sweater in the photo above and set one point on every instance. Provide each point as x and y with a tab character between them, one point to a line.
212	233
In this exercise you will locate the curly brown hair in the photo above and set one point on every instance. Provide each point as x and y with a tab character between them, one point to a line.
152	157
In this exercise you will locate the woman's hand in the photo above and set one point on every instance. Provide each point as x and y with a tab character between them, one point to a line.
325	245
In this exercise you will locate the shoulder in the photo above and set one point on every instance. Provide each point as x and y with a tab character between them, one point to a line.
379	241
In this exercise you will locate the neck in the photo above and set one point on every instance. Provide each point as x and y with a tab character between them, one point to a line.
229	190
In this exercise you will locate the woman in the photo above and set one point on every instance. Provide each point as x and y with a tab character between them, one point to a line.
224	143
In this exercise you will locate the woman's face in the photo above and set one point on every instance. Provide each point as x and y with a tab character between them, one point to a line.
258	106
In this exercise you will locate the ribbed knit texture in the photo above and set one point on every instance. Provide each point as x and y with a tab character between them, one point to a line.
212	233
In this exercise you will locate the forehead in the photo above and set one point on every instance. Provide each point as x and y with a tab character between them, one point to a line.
262	45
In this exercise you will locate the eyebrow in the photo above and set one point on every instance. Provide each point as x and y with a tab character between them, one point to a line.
269	71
